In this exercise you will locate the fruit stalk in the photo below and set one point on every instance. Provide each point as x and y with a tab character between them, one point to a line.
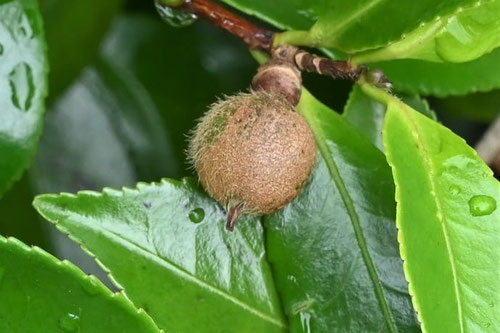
255	37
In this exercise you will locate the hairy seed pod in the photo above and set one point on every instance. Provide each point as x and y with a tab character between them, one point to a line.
253	153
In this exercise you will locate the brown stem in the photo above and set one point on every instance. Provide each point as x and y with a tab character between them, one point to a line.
262	39
335	68
256	37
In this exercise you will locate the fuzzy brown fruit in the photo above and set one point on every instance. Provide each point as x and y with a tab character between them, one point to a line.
253	153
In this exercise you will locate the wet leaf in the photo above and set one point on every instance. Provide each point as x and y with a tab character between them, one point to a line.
347	25
178	263
462	36
42	294
333	250
23	86
447	218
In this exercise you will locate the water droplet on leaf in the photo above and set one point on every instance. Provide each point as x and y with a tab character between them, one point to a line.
69	322
197	215
22	86
480	205
175	17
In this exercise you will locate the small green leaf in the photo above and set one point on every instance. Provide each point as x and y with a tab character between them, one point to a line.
448	222
334	250
444	79
461	36
176	262
367	114
39	293
23	86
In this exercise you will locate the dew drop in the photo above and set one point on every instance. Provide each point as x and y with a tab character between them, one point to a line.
480	205
91	285
69	322
454	190
175	17
197	215
22	86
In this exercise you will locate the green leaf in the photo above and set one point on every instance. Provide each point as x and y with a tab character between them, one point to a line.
69	53
23	68
166	245
447	220
367	114
347	25
462	36
39	293
444	79
333	250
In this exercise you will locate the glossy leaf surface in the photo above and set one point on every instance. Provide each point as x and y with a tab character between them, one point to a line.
23	86
444	79
462	36
39	293
167	246
413	76
348	25
448	222
334	251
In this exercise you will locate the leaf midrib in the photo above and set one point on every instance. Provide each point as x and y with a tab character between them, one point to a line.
432	175
182	273
354	218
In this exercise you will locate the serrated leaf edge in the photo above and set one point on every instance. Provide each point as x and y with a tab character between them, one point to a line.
137	189
65	264
439	215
